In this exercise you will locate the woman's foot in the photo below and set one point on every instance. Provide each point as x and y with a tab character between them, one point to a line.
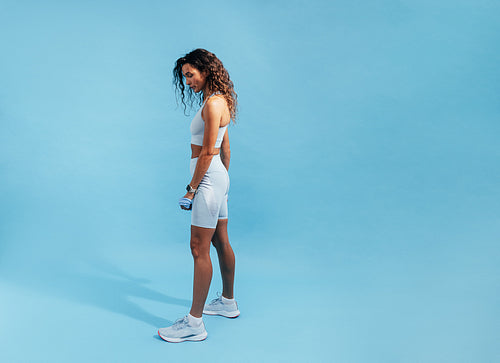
223	307
183	329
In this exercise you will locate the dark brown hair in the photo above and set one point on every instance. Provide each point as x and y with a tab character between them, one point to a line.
217	79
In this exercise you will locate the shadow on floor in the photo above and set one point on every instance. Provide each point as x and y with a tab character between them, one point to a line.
97	283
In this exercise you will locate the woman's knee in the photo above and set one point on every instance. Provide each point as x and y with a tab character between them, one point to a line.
197	248
200	243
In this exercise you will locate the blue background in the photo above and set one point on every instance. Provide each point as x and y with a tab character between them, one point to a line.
365	174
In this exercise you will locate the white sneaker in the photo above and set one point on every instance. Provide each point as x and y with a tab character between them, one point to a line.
181	330
218	307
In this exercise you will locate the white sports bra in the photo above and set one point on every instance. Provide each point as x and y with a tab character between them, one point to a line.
198	128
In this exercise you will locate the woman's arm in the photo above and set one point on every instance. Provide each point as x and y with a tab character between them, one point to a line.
225	150
211	114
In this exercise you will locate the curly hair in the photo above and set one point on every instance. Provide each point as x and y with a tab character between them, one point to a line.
217	79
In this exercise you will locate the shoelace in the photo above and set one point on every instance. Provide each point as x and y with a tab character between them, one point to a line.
180	323
215	301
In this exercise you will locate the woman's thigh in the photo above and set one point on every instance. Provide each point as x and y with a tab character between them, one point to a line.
200	240
210	200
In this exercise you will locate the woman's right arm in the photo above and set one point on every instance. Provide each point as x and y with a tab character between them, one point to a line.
225	150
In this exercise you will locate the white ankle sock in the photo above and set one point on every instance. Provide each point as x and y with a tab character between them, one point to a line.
227	301
194	321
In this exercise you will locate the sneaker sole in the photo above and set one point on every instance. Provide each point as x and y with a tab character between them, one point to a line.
195	338
232	314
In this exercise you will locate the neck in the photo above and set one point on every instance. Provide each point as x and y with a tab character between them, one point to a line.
206	93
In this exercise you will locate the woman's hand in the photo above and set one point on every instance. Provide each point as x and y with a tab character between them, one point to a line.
186	202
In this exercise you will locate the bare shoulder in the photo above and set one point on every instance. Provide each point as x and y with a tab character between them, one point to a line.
216	103
215	109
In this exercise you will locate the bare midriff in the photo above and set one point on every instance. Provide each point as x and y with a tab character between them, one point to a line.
196	151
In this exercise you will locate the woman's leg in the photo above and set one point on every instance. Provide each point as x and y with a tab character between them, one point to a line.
220	240
200	249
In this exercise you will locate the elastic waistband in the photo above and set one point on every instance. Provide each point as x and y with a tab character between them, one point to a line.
215	163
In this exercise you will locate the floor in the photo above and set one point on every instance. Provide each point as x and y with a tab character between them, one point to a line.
364	202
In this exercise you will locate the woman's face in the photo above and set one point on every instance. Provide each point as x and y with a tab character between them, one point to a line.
194	78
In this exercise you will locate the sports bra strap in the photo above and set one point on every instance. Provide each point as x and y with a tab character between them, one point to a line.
213	94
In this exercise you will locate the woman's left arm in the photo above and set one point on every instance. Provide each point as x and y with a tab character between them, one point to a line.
211	114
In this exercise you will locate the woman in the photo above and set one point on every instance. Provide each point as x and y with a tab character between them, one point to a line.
207	191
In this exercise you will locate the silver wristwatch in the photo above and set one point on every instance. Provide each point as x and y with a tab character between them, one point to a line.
190	189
